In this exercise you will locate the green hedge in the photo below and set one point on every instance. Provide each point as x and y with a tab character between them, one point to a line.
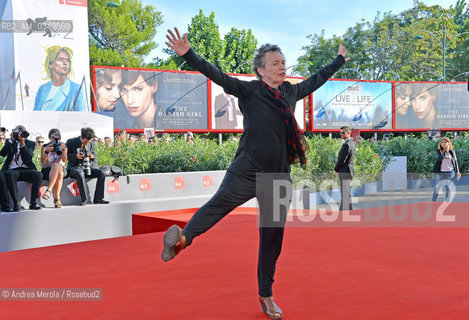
322	158
179	156
171	156
421	153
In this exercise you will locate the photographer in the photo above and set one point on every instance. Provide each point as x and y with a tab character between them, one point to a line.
53	159
4	201
3	136
39	142
5	207
19	166
82	163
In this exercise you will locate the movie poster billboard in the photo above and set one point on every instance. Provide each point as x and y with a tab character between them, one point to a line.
358	104
226	115
143	98
7	58
431	105
47	41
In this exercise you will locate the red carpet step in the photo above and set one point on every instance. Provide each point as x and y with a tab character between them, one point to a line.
323	273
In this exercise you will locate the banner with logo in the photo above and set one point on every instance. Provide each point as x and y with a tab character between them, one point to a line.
144	98
431	105
358	104
226	115
45	60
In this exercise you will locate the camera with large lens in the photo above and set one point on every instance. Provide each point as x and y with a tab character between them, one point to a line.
86	163
57	148
19	132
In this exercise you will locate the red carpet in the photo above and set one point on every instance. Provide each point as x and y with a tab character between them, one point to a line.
323	273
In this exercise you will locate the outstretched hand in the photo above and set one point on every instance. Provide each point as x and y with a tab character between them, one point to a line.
343	52
178	44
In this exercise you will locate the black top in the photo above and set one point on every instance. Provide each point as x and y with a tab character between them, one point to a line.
439	159
27	151
72	149
345	158
264	140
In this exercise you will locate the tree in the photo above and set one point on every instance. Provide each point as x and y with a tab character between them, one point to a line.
231	54
458	62
204	37
318	53
430	23
126	31
387	46
158	63
238	51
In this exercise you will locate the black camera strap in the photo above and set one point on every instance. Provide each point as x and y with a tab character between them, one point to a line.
18	159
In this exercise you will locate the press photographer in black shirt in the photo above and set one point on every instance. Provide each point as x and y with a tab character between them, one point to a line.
4	203
19	166
82	163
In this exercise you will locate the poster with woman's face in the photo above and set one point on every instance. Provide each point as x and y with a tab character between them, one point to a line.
431	105
107	90
143	98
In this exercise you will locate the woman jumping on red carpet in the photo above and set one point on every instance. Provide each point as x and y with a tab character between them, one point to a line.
270	143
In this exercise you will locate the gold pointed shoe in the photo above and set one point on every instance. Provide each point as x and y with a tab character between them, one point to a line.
270	308
173	242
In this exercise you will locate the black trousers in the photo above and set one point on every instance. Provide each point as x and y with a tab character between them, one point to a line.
239	186
346	201
79	176
23	174
3	193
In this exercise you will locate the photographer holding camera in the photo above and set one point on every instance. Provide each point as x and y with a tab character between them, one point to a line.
4	205
19	166
82	164
53	159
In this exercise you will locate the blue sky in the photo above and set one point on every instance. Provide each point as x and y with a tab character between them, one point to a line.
283	22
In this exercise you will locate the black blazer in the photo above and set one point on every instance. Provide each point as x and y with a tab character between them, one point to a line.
345	159
27	151
72	146
439	160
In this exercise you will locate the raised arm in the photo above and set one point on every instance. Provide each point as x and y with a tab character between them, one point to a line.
343	52
439	156
178	44
182	47
306	87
